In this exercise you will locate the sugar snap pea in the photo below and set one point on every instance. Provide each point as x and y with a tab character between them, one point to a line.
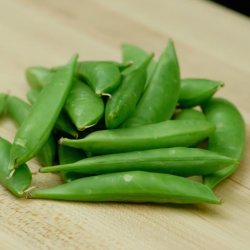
19	110
84	107
20	180
195	91
229	137
160	97
102	77
132	186
69	155
36	129
190	114
38	77
133	53
125	98
177	161
159	135
3	100
62	123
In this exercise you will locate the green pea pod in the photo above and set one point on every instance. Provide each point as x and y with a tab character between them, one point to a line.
20	180
133	186
159	99
83	106
190	114
133	53
159	135
176	161
122	66
69	155
35	130
19	110
3	101
125	98
103	77
195	91
38	77
63	123
229	137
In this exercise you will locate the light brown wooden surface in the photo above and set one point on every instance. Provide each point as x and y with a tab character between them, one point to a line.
211	42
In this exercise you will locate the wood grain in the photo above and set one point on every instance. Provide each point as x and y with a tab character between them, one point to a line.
211	42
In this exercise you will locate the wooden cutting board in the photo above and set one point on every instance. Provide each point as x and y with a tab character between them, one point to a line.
211	42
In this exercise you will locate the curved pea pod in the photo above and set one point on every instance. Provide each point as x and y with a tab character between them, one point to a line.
159	135
160	97
69	155
132	186
229	137
102	77
3	101
62	123
19	110
125	98
83	106
195	91
190	114
176	161
37	127
137	55
20	180
38	77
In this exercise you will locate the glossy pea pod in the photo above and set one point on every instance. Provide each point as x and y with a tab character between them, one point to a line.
132	186
195	91
103	77
133	53
159	135
83	106
125	98
36	129
229	137
69	155
22	177
62	123
3	101
160	97
190	114
19	110
38	77
177	161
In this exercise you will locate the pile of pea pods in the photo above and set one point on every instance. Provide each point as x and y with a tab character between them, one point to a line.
130	131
